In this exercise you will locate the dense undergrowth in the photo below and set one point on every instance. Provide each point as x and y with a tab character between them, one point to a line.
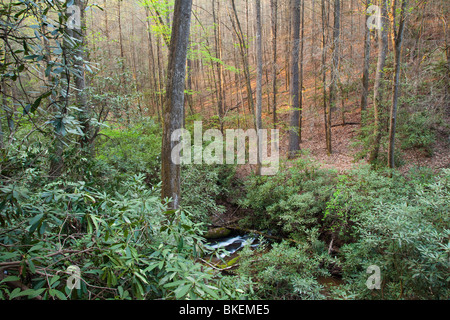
350	222
110	223
105	216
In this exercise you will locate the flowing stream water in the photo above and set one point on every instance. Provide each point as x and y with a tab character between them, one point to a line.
232	244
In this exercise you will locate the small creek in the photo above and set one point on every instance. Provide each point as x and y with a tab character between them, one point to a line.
232	244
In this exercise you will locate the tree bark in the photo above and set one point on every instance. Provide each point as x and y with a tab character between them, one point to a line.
274	14
300	127
294	142
379	79
174	102
80	80
398	41
219	63
324	74
334	70
365	77
259	71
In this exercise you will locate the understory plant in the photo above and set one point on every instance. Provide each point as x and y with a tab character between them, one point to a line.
126	245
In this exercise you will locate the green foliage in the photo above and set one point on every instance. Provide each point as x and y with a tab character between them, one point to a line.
127	245
290	202
415	131
133	150
202	187
287	271
400	224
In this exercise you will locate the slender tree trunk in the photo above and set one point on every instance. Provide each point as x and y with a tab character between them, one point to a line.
274	14
379	82
161	78
56	154
259	72
219	64
365	77
245	63
300	127
108	42
80	81
294	142
5	103
174	102
398	40
152	67
324	74
334	70
123	85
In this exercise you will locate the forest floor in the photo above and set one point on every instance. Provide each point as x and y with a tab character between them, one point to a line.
342	158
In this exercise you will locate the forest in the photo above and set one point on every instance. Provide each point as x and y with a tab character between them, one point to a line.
119	176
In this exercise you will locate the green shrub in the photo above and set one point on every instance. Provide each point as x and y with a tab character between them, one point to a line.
202	187
133	150
287	271
126	244
290	202
415	130
406	233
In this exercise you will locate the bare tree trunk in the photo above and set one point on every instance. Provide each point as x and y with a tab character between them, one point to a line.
80	80
244	56
365	77
108	42
294	142
122	58
334	70
174	102
398	40
152	67
300	127
324	74
379	79
219	64
259	69
274	14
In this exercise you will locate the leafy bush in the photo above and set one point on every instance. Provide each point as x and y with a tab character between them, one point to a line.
202	187
415	130
290	202
287	271
401	225
127	245
132	150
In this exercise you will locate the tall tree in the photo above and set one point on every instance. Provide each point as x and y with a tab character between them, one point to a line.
302	45
259	71
379	86
219	63
398	41
324	73
174	100
274	18
294	141
365	77
84	116
244	56
334	70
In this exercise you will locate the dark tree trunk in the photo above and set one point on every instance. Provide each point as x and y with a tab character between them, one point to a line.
294	141
174	101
